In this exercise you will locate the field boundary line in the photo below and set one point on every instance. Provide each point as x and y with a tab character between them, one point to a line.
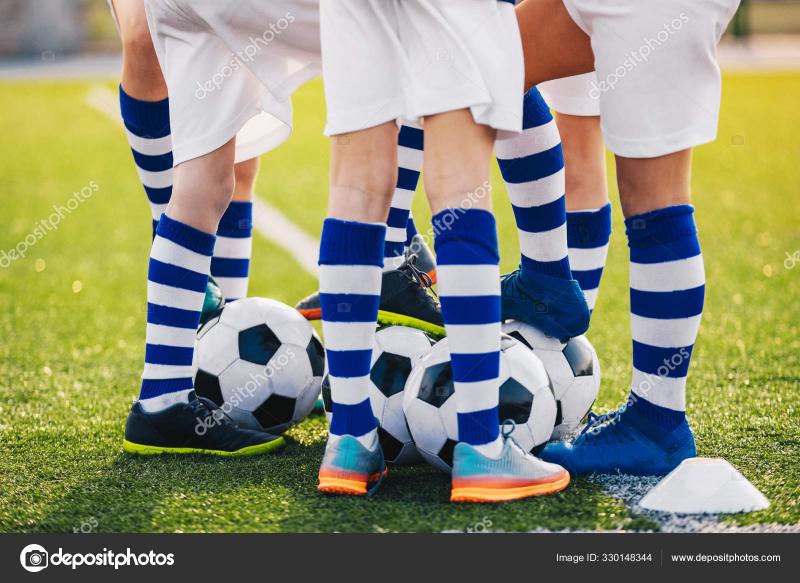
268	221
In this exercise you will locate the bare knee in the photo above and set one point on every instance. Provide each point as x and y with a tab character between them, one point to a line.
363	174
647	184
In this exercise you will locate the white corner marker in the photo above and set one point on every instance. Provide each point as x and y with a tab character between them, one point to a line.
704	486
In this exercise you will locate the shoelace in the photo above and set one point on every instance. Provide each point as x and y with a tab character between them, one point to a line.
203	408
423	279
595	422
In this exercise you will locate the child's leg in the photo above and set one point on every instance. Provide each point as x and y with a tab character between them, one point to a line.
180	260
588	209
230	266
409	162
351	260
144	105
468	269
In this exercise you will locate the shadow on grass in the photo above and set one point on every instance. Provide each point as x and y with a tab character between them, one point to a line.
277	493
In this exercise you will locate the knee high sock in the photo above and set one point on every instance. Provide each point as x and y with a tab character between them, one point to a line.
469	289
351	260
532	165
667	282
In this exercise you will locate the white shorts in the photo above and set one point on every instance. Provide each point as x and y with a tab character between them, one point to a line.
386	60
231	67
658	81
572	95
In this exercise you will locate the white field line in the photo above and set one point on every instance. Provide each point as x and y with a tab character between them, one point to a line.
268	221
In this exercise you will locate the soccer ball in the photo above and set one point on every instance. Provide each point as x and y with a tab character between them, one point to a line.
574	371
526	398
396	347
262	362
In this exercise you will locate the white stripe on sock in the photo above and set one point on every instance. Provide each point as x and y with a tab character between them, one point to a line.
348	335
468	280
476	396
150	146
166	371
587	259
537	192
668	275
396	234
233	288
531	141
174	297
166	251
410	158
544	246
673	333
160	179
349	391
155	404
233	247
169	335
473	338
662	391
349	279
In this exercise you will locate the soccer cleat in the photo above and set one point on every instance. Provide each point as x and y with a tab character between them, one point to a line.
405	300
213	301
350	468
425	261
623	441
553	305
198	426
512	476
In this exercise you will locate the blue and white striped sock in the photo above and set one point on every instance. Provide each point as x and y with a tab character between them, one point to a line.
667	291
588	232
469	289
147	126
532	165
176	283
350	260
230	266
409	162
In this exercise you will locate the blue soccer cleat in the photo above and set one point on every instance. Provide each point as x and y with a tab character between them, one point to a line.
512	476
553	305
350	468
623	441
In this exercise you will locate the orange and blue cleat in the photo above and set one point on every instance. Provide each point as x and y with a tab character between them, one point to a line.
351	469
513	476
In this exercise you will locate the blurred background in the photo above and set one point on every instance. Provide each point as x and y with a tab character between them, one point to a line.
47	29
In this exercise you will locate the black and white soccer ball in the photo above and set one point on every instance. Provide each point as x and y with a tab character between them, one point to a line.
396	348
574	371
262	362
526	398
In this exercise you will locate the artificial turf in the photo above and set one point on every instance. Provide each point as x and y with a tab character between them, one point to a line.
72	327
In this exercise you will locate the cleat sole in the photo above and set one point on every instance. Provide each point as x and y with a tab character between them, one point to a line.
334	485
393	319
250	450
487	495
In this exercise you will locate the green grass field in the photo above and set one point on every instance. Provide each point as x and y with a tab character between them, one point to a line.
72	324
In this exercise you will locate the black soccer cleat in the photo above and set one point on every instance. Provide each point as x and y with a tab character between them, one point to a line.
406	300
198	426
